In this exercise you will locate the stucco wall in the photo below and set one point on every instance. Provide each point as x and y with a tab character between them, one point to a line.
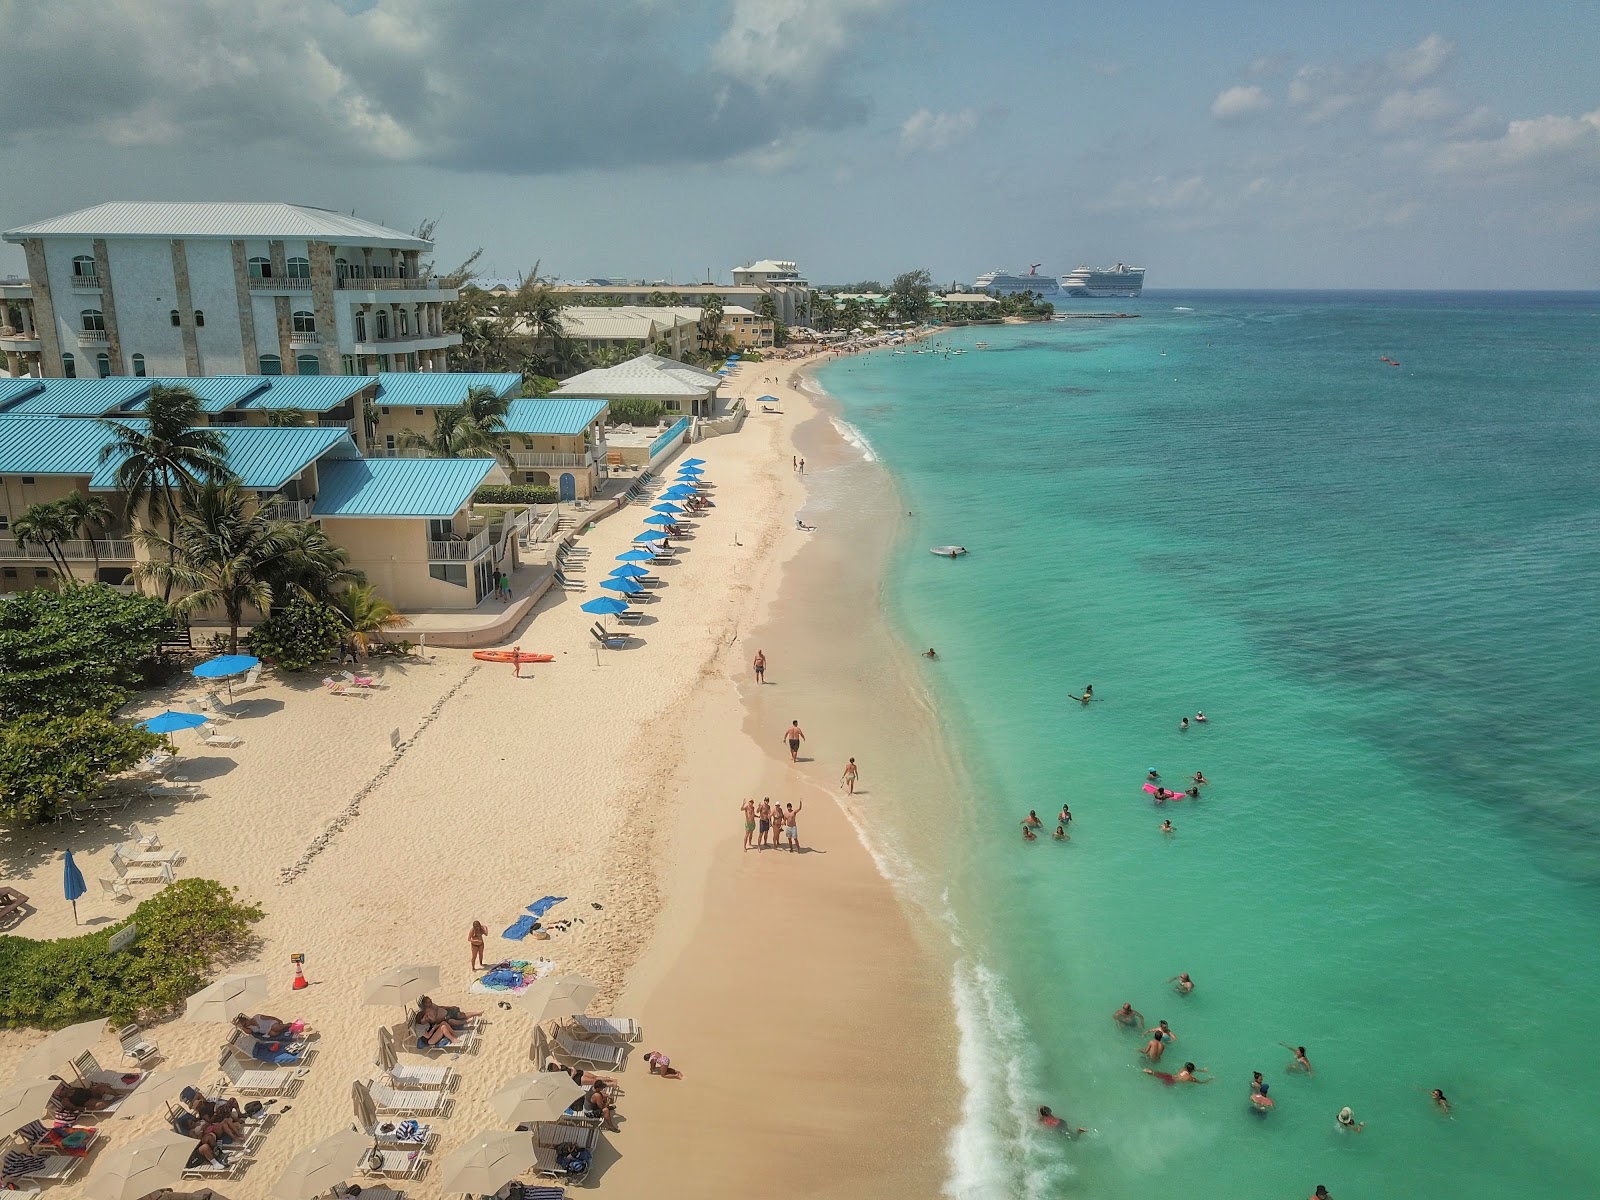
394	556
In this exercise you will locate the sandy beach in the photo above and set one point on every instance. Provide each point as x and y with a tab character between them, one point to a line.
374	829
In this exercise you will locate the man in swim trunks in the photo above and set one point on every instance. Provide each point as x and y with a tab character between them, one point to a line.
763	821
749	810
760	664
1187	1075
1154	1048
790	829
1128	1016
1033	819
794	736
1050	1121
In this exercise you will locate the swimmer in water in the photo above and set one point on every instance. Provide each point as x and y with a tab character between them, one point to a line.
1301	1062
1065	815
1088	691
1258	1094
930	653
1321	1193
1050	1121
1033	819
1027	834
1200	779
1166	827
1128	1016
1163	1031
1200	718
1060	834
1183	725
1187	1075
1347	1120
1439	1101
1182	984
1193	793
1154	1049
1152	775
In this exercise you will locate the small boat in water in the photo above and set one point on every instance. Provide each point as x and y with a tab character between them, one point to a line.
981	345
947	551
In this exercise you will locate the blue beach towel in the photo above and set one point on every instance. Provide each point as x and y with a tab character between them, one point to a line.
539	907
520	928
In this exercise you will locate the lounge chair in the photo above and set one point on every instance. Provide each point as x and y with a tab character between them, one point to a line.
459	1041
395	1162
88	1069
339	687
211	737
233	1161
115	889
135	857
604	1054
360	681
52	1167
252	680
412	1102
134	1044
621	1028
280	1052
132	873
220	708
386	1133
631	615
145	841
421	1075
547	1135
608	638
251	1077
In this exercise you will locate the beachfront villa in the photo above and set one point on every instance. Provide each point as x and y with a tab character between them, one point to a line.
560	444
626	326
193	289
781	280
408	402
968	306
678	387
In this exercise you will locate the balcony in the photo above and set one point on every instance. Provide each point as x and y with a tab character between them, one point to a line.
18	339
86	283
389	283
279	284
305	338
76	549
336	423
285	510
544	458
460	550
93	337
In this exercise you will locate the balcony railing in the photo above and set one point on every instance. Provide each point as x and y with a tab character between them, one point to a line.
75	548
335	423
286	510
382	283
279	284
305	338
93	337
86	283
542	458
463	550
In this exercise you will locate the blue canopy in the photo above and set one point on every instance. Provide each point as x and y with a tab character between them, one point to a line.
626	586
634	556
665	507
72	883
693	462
226	664
606	605
659	519
169	721
650	535
681	492
629	571
691	469
770	400
733	358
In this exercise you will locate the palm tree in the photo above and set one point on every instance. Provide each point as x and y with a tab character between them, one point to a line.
710	324
312	566
367	614
46	526
279	417
163	454
223	554
90	517
455	435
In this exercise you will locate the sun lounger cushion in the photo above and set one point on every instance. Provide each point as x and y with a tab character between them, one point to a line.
16	1163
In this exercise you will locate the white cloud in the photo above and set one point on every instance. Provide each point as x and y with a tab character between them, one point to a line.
931	132
1402	111
1546	141
1269	66
790	40
1161	194
1238	103
1424	60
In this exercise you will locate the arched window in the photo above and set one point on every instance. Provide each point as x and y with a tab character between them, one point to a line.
103	362
299	268
341	268
138	365
270	364
361	327
307	364
94	321
260	268
403	321
383	324
83	267
176	321
304	322
69	366
199	319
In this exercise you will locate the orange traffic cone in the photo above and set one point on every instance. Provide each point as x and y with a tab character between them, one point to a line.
299	978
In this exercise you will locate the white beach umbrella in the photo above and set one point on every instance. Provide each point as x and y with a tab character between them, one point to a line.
59	1048
25	1102
161	1088
559	996
535	1096
400	985
225	999
130	1172
318	1168
487	1162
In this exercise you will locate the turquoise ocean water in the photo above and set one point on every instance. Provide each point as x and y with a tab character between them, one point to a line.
1382	585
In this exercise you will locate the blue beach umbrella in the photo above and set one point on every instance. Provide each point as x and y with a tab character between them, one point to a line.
170	721
691	469
734	357
650	535
632	556
626	586
665	508
692	475
629	571
72	883
681	490
605	606
659	519
226	664
693	462
770	400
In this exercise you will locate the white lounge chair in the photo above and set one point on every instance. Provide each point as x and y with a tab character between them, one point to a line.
421	1075
116	889
603	1054
384	1134
145	841
395	1162
247	1075
135	857
211	737
359	681
251	682
622	1028
56	1168
134	1043
131	873
404	1100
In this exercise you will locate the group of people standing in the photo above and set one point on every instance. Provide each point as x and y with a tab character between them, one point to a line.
777	825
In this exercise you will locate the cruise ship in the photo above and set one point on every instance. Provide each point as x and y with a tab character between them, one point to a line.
1010	285
1120	280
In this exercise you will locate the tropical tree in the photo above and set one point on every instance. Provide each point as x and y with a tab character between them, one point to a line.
79	649
455	435
163	454
223	554
312	565
911	293
278	417
46	526
367	615
767	307
90	517
709	327
851	315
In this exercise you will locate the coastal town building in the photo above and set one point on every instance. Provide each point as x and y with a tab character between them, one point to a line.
194	289
560	443
790	293
678	387
632	327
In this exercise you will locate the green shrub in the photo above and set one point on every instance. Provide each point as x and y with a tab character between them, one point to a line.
75	650
750	356
186	931
636	412
516	493
47	762
298	635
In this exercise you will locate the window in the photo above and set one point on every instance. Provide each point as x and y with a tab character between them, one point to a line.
27	479
341	268
361	327
385	411
11	572
455	573
83	267
69	366
138	365
299	268
383	325
484	570
304	322
347	363
388	442
260	268
403	321
270	364
441	530
307	364
103	362
94	321
199	319
176	320
41	573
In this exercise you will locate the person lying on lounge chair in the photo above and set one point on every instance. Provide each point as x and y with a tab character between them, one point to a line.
263	1026
207	1151
224	1109
435	1033
195	1126
581	1077
83	1097
433	1014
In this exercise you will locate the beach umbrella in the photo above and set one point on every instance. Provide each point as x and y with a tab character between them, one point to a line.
169	721
769	400
629	571
666	506
626	586
693	462
400	985
535	1096
24	1102
690	472
331	1161
72	883
62	1046
361	1094
487	1162
161	1088
226	998
559	996
224	665
151	1164
734	357
680	491
650	535
605	606
659	520
634	556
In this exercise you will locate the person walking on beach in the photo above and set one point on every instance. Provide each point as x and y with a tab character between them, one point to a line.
475	937
794	735
792	827
848	779
749	810
1301	1062
763	821
802	466
760	664
1128	1017
516	660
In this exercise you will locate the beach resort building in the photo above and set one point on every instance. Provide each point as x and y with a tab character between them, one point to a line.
968	306
407	403
635	327
194	289
560	443
790	293
678	387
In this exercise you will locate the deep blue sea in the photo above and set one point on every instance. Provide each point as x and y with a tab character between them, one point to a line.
1381	583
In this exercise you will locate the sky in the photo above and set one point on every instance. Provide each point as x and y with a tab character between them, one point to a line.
1358	144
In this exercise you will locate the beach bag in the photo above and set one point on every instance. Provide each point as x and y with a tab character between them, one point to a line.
253	1108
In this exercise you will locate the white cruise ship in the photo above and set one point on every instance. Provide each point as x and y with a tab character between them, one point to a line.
1010	285
1120	280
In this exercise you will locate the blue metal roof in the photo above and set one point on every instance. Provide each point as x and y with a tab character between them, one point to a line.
437	389
51	446
79	397
264	458
216	393
15	389
398	487
553	416
309	393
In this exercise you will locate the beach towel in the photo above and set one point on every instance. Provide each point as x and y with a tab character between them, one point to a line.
520	928
59	1139
539	907
513	977
272	1052
19	1164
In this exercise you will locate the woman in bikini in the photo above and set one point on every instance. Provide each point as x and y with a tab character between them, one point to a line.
1187	1075
777	826
475	937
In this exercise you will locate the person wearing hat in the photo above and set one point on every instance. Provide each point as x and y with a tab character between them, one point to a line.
1347	1120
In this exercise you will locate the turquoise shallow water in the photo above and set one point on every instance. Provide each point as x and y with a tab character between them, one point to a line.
1382	586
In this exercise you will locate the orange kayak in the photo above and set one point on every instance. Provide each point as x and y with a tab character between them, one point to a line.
527	656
